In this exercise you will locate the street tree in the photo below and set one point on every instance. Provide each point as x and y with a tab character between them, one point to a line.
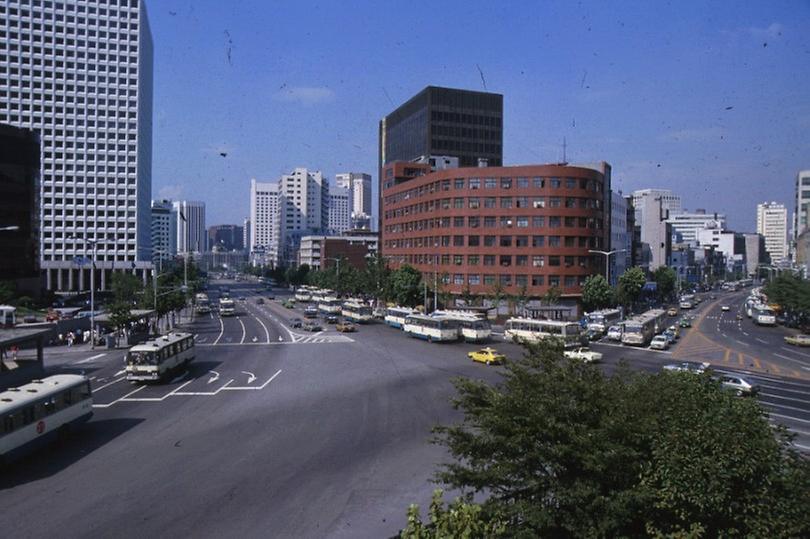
560	449
631	282
596	293
552	295
406	286
126	288
665	280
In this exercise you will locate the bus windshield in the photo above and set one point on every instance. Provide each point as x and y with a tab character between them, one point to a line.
141	358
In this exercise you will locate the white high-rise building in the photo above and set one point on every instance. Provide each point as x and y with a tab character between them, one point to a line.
246	234
192	236
670	202
772	223
360	185
304	208
164	231
80	74
688	224
339	209
264	223
801	211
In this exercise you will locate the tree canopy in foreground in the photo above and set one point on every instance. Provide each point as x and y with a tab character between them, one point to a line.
559	449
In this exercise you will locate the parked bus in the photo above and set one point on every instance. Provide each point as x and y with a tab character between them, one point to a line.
202	304
38	412
303	294
356	312
640	330
764	316
532	330
395	316
7	316
472	327
330	305
153	360
431	329
227	307
601	320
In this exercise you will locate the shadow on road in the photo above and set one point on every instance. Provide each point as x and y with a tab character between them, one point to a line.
53	458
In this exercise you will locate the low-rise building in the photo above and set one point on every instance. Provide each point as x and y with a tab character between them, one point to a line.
353	249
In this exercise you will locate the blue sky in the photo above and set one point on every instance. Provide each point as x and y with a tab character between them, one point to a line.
709	99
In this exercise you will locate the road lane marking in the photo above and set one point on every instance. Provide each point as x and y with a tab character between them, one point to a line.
249	388
251	376
244	331
793	360
756	363
741	342
221	330
785	407
203	393
727	355
111	383
156	399
119	399
775	396
92	358
763	341
794	351
213	378
740	359
266	331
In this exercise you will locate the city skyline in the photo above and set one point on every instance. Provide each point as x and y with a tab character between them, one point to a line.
710	101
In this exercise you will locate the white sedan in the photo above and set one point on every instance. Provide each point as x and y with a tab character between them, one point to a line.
583	354
725	308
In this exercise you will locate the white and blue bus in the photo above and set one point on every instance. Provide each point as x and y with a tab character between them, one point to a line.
532	330
395	316
330	305
356	312
601	320
471	327
639	330
154	360
33	414
431	329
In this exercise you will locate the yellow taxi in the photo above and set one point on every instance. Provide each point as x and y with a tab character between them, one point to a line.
486	355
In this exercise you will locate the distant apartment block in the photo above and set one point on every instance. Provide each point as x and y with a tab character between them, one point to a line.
688	224
80	74
772	224
339	209
352	249
191	234
264	223
359	185
164	231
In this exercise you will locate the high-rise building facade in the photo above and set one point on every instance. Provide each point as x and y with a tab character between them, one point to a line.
670	202
304	209
772	223
618	237
191	234
19	208
688	224
360	185
656	232
802	208
339	209
225	237
80	74
265	222
164	231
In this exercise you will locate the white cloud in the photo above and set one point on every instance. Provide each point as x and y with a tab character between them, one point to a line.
305	95
171	192
770	32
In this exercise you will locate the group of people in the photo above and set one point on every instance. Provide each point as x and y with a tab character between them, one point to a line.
73	337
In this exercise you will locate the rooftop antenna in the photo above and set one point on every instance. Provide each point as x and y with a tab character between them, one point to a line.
565	160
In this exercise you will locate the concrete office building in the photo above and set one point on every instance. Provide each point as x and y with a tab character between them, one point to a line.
225	237
772	223
688	224
755	253
164	231
304	209
339	209
19	209
359	184
656	233
353	249
802	205
619	237
528	228
191	234
264	223
246	234
670	202
80	74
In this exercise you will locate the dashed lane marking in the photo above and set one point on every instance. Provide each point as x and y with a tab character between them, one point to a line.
763	341
90	359
221	330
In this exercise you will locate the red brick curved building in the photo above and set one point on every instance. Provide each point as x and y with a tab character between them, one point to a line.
526	227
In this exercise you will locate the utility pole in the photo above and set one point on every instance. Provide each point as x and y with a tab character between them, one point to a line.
93	297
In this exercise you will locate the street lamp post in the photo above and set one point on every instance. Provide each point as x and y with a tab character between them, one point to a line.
94	244
607	254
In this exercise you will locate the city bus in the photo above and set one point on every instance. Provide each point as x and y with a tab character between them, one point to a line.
227	307
601	320
201	303
395	316
7	316
330	305
431	329
640	330
356	312
763	315
472	327
33	414
532	330
687	301
303	294
153	360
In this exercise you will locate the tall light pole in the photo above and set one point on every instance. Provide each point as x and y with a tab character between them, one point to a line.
607	254
94	244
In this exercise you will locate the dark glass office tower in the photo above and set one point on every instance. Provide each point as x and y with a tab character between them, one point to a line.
445	121
19	205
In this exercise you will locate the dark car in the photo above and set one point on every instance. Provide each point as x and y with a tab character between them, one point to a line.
331	319
296	323
260	301
271	296
312	326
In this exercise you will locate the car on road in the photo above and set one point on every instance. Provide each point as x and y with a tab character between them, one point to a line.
331	319
659	342
593	334
29	318
260	301
614	333
685	323
296	323
672	311
670	336
487	355
583	354
288	304
738	384
241	298
798	340
311	312
312	326
271	296
725	308
687	366
346	327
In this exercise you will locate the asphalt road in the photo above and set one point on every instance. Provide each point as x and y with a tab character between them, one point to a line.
281	433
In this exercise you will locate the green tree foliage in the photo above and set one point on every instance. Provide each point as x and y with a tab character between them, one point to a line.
563	450
298	275
596	293
126	288
458	519
8	291
792	293
665	279
630	284
406	286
